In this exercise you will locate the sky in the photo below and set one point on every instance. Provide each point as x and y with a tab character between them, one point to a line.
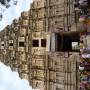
10	80
14	11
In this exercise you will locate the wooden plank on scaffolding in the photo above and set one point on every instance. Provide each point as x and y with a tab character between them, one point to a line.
48	43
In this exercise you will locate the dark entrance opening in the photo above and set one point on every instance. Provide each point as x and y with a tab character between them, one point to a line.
67	41
70	42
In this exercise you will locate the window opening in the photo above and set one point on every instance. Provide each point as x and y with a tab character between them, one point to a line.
11	44
43	42
21	44
35	43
